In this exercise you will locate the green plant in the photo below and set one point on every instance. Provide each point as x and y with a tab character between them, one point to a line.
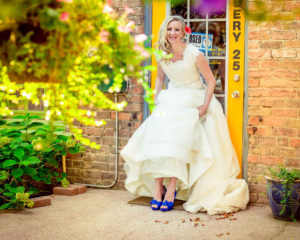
287	178
69	48
31	152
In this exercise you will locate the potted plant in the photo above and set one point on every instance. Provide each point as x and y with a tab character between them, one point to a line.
283	189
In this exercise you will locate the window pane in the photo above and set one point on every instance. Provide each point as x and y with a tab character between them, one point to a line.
198	37
180	9
217	31
217	67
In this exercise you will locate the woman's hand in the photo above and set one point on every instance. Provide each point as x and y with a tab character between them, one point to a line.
202	110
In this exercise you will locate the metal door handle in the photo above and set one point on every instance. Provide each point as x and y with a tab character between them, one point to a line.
235	94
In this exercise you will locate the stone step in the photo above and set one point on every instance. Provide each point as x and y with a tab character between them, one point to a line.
69	191
41	201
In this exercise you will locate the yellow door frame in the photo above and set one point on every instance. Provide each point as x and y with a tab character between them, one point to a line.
235	68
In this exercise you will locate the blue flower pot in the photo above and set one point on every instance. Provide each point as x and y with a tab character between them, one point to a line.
276	195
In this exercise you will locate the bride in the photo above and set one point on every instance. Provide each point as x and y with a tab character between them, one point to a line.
185	143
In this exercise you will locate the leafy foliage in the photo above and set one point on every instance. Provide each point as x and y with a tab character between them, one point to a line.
68	48
287	177
31	151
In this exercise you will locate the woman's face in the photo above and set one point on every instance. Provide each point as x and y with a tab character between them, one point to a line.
175	32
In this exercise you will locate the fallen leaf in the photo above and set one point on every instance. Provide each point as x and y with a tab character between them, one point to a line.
232	218
195	224
197	219
166	222
203	225
228	233
191	220
157	221
182	220
219	235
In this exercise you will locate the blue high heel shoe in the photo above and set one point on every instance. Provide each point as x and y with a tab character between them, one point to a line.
168	204
158	203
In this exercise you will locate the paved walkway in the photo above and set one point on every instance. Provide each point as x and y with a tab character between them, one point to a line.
105	215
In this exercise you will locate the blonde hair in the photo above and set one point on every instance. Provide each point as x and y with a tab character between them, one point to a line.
163	43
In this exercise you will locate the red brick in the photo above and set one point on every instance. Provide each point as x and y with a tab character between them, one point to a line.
252	44
121	115
292	83
252	158
289	93
291	25
263	198
284	112
133	107
284	53
272	82
253	120
137	99
69	191
270	44
292	103
253	83
259	111
292	162
284	132
282	141
259	92
259	53
109	132
263	131
265	150
292	123
259	35
253	197
295	142
273	121
253	64
103	115
269	63
285	73
283	35
292	44
270	160
41	201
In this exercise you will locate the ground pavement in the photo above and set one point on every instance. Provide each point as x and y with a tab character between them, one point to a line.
105	214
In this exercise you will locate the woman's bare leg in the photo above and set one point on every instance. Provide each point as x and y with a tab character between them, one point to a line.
170	191
158	190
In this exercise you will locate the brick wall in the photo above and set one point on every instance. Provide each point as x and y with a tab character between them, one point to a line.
274	95
98	166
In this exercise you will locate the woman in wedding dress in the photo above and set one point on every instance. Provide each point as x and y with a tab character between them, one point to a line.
185	143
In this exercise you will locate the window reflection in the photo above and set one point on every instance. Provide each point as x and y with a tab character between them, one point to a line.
218	32
217	67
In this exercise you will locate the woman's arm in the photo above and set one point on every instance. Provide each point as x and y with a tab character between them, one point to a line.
206	72
159	83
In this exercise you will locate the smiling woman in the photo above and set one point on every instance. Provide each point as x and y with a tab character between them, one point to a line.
185	143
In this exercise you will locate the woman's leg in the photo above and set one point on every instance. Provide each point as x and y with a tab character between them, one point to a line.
170	191
158	190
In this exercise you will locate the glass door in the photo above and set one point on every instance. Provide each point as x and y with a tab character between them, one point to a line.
209	36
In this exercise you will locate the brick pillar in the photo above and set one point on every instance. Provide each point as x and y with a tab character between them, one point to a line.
274	95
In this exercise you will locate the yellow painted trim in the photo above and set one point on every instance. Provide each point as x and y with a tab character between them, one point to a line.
236	66
158	16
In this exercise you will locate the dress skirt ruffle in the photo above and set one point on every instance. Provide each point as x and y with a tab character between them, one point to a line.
174	142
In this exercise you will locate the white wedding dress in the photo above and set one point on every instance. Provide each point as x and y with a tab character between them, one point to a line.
174	142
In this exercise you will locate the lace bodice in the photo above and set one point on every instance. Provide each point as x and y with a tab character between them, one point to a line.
184	73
